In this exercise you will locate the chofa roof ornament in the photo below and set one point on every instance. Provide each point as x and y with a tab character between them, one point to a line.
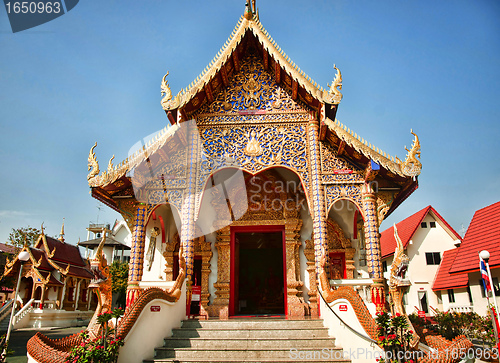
411	166
166	102
334	96
93	164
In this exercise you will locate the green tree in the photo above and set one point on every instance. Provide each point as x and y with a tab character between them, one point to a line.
18	236
119	280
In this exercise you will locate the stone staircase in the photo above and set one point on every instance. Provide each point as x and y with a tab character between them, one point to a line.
249	340
4	324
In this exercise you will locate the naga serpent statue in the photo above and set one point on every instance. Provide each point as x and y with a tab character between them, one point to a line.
46	350
398	283
101	283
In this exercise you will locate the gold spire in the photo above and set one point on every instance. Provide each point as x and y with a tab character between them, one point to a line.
248	11
61	235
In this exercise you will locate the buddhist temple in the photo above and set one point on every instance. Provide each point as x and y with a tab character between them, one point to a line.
257	112
253	191
54	287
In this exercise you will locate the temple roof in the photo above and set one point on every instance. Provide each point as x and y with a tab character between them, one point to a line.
227	60
250	37
50	255
8	249
60	251
110	241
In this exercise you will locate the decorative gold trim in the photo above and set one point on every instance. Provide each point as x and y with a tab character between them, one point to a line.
50	254
115	172
375	154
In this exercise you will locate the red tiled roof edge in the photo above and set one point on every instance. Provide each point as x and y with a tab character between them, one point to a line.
444	280
387	240
446	224
483	233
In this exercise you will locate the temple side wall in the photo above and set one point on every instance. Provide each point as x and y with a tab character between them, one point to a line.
136	347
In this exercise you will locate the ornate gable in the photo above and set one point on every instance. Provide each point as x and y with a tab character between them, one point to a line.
252	91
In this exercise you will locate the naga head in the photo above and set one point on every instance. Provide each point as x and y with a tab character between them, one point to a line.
165	88
399	265
98	265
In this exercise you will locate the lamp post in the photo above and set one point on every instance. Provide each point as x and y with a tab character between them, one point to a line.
485	256
23	257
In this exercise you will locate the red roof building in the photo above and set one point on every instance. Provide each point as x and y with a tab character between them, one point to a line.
444	280
408	227
483	234
430	244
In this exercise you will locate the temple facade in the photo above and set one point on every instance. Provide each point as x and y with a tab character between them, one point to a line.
258	186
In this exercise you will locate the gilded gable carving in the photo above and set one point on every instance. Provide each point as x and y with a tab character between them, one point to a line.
336	169
252	88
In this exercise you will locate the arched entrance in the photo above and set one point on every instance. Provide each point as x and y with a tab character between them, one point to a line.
258	274
254	233
345	239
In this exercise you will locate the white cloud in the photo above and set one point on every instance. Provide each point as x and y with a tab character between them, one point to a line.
14	213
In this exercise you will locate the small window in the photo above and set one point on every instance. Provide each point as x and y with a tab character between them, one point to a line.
433	258
384	266
451	296
496	288
469	293
432	224
439	297
423	224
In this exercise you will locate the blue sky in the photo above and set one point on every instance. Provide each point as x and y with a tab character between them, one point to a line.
94	75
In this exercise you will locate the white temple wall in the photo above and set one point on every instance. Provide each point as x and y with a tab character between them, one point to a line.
212	278
155	272
305	234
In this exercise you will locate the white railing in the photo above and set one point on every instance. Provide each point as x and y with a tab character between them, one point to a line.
23	312
461	309
362	286
5	311
47	304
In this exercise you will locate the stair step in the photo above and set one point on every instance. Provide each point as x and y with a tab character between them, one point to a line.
250	333
252	324
261	360
235	354
249	340
213	343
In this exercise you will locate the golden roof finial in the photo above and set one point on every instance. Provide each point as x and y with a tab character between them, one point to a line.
61	235
248	11
334	95
25	245
412	165
93	164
